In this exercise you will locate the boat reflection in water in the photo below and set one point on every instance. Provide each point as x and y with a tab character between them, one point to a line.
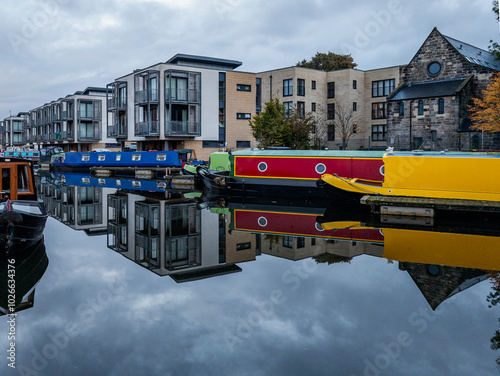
170	234
30	265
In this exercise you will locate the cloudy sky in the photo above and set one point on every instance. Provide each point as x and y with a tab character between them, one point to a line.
51	48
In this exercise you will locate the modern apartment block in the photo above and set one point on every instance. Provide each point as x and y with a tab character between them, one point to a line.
189	101
359	93
12	130
74	122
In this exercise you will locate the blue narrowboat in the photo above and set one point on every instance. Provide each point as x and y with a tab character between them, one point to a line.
76	161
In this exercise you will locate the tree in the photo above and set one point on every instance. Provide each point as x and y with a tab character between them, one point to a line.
268	127
345	123
298	127
328	62
319	135
278	126
494	47
485	111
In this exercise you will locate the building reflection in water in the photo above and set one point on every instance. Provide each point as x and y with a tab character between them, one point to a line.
30	266
169	234
172	237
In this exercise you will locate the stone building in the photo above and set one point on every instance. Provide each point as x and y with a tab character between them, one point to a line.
428	110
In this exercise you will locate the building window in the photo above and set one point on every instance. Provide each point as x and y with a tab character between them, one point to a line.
258	95
211	144
287	87
354	128
288	241
331	132
354	84
330	90
313	106
288	107
301	87
330	111
378	110
441	106
434	68
354	106
241	87
420	107
379	132
242	246
302	108
313	85
401	109
242	144
241	115
383	88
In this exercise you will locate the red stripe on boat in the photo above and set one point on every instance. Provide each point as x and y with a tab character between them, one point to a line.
297	225
307	168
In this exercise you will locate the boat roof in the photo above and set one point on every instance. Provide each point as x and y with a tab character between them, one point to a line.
452	154
312	153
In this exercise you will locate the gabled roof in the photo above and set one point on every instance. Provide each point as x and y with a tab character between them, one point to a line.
474	54
427	89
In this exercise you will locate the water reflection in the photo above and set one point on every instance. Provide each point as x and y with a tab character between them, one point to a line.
29	266
173	234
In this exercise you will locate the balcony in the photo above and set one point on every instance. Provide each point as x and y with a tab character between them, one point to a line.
89	115
67	115
118	131
182	128
117	103
182	95
68	135
146	96
147	128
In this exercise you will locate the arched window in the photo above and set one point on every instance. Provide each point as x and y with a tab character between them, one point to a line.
441	106
420	107
401	109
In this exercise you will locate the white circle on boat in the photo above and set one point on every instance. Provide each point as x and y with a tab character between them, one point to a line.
318	227
320	168
262	221
262	166
382	170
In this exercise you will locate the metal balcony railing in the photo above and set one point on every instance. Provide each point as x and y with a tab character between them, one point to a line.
175	127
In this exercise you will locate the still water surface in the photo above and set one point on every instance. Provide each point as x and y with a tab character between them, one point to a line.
138	284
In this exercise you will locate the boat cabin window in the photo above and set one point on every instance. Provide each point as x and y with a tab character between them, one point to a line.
5	180
136	157
101	157
161	157
85	157
118	157
15	179
23	181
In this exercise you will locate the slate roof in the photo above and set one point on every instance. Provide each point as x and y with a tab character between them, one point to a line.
427	89
474	54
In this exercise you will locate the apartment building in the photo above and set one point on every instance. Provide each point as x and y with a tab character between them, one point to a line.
190	101
12	130
74	122
362	94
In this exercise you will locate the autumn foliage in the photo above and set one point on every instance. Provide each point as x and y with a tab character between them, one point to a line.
485	111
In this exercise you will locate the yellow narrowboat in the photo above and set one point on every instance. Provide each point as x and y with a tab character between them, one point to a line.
445	176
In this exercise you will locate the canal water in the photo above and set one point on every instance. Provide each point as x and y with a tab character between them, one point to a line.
141	281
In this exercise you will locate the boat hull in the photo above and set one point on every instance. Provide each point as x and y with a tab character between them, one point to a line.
21	225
